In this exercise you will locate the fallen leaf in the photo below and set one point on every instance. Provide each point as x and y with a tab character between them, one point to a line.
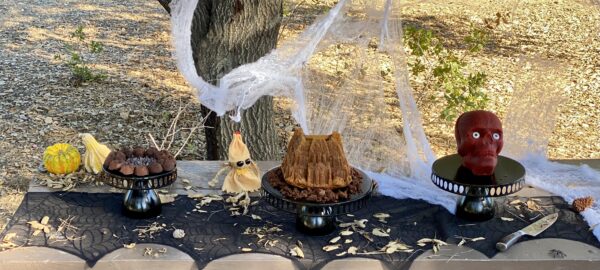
533	206
346	232
35	225
517	201
391	249
129	246
348	241
331	247
167	198
341	254
352	250
334	240
9	236
462	242
256	217
361	223
381	215
297	252
439	242
395	246
507	219
195	195
6	241
246	249
39	227
379	232
424	241
477	239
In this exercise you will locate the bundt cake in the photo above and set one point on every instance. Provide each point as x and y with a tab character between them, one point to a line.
316	161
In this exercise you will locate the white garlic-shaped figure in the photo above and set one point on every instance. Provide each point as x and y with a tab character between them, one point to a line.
178	234
245	175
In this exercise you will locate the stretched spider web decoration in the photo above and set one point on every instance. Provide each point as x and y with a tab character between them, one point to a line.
369	101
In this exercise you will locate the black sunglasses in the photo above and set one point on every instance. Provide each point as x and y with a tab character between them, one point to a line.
241	163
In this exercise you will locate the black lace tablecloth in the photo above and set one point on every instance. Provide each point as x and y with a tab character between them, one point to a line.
208	236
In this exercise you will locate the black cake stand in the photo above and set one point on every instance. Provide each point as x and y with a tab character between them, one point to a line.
476	202
317	218
141	200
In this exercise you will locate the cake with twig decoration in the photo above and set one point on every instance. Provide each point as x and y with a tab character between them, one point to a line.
316	161
315	169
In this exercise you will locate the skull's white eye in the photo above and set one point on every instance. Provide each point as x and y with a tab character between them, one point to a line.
476	135
496	136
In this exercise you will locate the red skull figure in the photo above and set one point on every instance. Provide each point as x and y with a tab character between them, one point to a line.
479	141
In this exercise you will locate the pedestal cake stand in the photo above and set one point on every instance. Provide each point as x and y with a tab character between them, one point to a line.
476	202
141	200
317	218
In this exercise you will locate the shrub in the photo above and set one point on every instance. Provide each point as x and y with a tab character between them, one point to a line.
80	70
443	70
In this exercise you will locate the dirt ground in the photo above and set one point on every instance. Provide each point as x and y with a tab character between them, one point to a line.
40	103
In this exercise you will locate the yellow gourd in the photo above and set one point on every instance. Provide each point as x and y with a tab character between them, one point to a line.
95	153
61	158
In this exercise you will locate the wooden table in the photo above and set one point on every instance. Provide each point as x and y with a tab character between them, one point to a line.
527	255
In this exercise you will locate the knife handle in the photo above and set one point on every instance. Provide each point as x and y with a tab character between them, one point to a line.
509	240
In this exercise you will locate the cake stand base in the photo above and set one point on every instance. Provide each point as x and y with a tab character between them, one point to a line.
315	220
140	204
475	208
141	200
476	202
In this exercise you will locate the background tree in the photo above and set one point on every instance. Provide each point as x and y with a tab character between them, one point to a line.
225	35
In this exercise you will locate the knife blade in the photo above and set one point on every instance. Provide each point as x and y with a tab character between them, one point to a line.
532	229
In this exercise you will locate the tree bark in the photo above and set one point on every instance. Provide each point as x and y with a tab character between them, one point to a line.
225	35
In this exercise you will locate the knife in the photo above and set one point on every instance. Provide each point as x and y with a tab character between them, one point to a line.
532	230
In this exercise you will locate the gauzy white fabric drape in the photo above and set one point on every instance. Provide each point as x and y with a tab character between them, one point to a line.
347	73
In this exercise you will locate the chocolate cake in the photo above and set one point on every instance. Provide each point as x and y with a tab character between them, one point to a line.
315	169
317	195
139	161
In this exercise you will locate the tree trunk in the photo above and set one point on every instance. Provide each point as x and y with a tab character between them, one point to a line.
227	34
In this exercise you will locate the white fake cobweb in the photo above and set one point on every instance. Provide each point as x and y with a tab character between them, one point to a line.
369	101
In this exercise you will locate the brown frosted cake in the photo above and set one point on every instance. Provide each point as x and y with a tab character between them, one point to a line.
315	169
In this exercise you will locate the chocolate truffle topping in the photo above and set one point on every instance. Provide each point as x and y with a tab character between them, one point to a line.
127	169
140	161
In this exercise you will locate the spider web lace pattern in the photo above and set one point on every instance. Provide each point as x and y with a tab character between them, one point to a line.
215	234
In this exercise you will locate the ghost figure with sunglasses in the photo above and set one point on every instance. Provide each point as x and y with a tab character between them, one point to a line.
244	175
